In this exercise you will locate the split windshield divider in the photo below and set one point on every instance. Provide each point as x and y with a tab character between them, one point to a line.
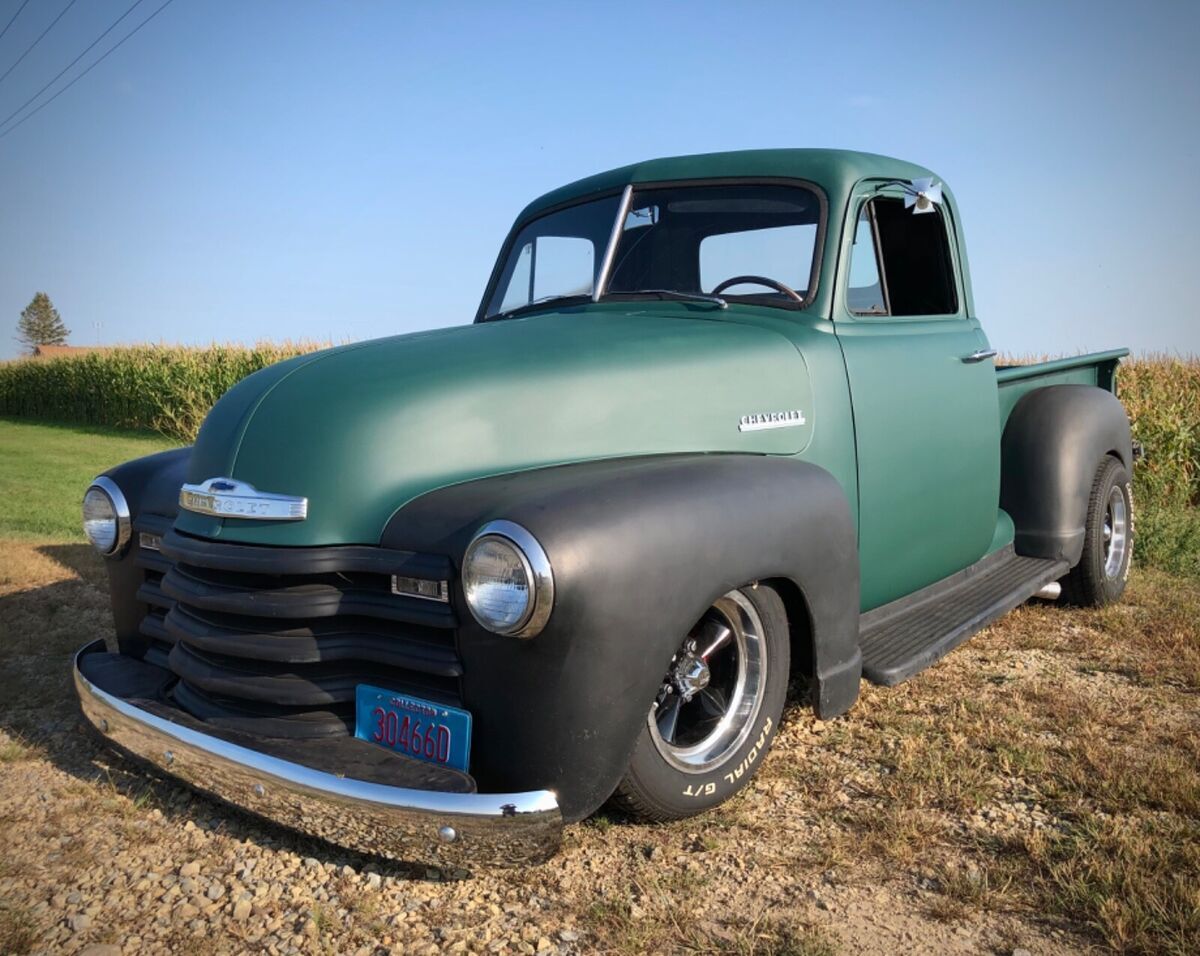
613	239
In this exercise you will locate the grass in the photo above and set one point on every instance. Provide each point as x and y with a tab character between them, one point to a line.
1100	735
44	470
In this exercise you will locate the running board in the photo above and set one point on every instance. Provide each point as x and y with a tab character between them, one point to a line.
901	639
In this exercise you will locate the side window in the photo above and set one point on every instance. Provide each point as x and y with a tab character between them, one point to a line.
912	262
865	293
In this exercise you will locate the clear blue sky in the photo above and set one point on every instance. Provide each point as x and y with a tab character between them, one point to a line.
243	170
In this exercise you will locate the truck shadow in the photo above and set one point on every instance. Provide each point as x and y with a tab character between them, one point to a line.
41	627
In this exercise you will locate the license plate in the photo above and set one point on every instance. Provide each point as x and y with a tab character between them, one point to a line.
414	727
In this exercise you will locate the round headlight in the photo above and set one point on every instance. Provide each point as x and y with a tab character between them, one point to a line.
507	580
106	516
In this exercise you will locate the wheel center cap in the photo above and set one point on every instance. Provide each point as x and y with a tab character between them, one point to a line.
691	675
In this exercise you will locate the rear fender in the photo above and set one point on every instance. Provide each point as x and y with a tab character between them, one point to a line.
1054	439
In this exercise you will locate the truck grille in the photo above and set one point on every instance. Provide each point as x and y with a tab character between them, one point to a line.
280	652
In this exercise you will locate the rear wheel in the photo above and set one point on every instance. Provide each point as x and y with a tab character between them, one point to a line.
1099	577
716	712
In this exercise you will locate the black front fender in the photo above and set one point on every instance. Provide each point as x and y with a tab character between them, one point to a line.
640	548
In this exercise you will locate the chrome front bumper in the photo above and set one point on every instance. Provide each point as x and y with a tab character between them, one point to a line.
394	822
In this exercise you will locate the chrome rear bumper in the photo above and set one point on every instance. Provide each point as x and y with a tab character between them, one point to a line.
394	822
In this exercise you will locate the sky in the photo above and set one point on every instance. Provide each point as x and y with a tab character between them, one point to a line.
244	170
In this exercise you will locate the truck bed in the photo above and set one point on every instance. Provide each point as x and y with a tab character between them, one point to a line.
1096	368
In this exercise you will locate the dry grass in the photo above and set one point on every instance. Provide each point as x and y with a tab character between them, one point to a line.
18	930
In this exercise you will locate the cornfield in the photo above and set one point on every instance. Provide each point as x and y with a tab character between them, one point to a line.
170	390
155	388
1162	395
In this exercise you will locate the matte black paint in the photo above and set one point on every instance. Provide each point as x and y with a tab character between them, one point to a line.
640	548
1055	439
150	485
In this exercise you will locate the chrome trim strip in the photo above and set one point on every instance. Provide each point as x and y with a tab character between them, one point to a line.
541	574
121	507
394	822
614	238
229	498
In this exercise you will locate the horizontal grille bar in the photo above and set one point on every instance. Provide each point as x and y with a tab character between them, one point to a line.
310	645
322	598
255	559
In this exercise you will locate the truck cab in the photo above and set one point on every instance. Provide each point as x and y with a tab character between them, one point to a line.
720	420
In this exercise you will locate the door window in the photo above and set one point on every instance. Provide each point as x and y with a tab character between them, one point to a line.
900	264
865	292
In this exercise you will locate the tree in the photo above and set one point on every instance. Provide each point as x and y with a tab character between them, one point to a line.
41	324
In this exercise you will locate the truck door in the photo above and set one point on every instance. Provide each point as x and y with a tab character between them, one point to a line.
924	396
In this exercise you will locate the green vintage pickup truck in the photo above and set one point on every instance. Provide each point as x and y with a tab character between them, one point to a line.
720	421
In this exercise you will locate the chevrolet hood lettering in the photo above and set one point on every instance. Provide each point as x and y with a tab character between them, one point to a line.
227	498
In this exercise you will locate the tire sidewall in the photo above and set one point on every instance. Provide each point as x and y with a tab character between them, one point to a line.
677	794
1116	477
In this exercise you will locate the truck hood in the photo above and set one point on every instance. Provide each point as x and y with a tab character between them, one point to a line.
363	429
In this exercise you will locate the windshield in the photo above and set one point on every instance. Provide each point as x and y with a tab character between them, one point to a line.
681	239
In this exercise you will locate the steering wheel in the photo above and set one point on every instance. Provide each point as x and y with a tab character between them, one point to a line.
759	280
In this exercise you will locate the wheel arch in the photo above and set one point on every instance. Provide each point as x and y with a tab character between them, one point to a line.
1053	442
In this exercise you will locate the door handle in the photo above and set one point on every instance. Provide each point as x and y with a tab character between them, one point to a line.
979	356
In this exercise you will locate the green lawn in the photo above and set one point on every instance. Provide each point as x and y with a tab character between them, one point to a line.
44	470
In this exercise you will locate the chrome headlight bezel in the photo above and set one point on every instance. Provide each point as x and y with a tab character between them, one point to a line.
538	573
120	507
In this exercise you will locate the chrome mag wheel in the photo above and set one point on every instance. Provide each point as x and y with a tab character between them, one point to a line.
1116	533
712	693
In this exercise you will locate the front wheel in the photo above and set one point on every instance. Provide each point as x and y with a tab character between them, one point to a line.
1099	577
716	712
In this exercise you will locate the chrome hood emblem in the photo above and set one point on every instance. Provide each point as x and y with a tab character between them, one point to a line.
228	498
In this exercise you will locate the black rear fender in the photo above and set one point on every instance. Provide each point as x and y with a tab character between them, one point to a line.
1053	442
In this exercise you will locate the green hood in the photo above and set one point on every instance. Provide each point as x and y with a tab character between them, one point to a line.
363	429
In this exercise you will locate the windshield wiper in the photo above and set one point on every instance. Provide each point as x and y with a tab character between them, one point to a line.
686	296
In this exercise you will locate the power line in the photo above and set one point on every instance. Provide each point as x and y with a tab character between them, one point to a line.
29	49
4	122
14	19
111	50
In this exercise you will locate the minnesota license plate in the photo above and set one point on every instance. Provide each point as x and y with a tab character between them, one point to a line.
414	727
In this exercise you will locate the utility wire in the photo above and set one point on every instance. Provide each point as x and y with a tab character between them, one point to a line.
29	49
103	57
14	19
4	122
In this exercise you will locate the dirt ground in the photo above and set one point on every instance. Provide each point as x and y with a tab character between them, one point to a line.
1037	791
